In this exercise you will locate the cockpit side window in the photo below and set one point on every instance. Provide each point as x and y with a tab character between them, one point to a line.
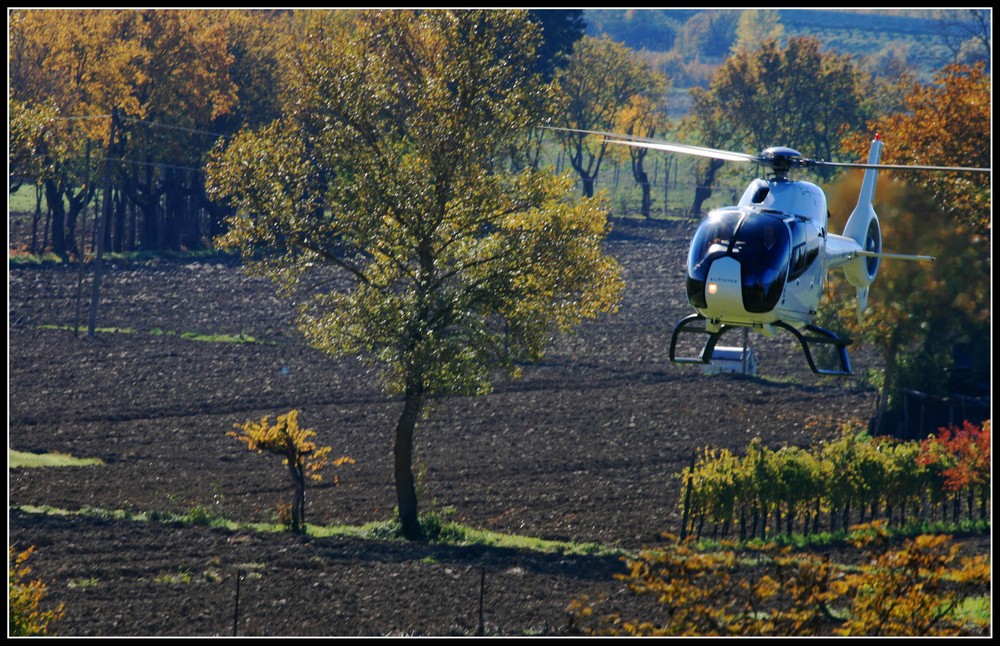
805	247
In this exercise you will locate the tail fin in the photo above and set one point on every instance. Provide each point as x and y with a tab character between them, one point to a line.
864	229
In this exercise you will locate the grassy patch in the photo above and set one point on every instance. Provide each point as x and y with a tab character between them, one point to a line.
102	330
449	533
90	582
975	610
34	460
190	336
20	259
207	338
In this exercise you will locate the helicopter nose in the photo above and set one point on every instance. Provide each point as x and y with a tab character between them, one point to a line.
723	292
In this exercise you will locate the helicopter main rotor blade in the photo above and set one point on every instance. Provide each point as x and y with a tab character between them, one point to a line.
640	142
726	155
899	166
688	150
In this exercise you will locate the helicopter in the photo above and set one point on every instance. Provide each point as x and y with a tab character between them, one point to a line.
762	264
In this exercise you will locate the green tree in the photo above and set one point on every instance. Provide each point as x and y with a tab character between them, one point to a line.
387	167
794	96
601	79
708	34
561	28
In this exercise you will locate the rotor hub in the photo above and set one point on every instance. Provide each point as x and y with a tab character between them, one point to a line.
780	159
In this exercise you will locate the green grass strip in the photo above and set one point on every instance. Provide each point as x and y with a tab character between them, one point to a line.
33	460
449	533
190	336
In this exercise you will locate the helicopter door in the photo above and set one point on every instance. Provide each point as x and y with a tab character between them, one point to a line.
763	247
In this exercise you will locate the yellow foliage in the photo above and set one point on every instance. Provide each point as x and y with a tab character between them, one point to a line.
24	598
301	455
766	591
912	591
286	439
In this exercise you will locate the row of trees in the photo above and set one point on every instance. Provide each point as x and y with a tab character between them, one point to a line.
184	81
176	83
854	478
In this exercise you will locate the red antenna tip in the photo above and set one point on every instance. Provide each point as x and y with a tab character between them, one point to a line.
877	136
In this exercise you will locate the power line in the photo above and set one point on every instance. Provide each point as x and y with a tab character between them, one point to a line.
153	124
135	162
93	116
169	127
154	164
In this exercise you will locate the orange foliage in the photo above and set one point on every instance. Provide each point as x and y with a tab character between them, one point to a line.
24	598
764	591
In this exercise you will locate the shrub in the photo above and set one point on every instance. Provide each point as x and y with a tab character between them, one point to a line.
25	597
917	590
301	456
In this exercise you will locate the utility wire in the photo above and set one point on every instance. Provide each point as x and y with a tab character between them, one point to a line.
153	124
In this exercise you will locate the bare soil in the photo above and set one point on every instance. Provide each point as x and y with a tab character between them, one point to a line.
586	447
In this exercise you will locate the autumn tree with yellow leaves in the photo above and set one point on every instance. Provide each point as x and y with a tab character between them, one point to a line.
180	79
605	86
947	122
389	166
301	455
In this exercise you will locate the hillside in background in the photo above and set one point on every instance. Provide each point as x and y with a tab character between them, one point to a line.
678	40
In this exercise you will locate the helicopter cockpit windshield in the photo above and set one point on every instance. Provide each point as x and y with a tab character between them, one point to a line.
758	240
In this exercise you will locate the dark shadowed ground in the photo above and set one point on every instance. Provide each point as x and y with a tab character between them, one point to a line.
586	447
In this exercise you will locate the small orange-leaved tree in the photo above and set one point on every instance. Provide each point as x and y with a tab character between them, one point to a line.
301	455
24	598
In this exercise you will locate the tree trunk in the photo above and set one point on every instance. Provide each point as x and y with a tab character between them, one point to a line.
299	496
647	198
35	219
888	382
117	224
704	189
53	197
406	492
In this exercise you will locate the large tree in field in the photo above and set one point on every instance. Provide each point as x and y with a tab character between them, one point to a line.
388	165
795	96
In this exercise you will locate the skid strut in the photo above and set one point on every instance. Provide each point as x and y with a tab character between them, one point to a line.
695	324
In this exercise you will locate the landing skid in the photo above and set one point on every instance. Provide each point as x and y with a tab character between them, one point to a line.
690	325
